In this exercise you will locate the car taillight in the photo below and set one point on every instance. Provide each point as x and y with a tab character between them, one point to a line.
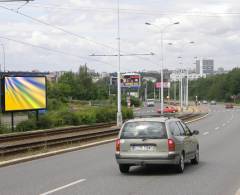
117	145
171	145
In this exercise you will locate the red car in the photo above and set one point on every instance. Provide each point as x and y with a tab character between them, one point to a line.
168	109
229	105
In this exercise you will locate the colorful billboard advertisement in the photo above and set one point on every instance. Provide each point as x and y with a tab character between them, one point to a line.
24	93
166	85
131	80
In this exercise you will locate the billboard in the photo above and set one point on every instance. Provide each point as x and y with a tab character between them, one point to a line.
131	80
166	85
24	93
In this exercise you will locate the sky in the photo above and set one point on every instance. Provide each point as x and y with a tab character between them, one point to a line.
60	35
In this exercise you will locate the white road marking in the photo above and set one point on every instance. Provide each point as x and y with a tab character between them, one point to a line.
63	187
206	133
228	121
223	124
216	128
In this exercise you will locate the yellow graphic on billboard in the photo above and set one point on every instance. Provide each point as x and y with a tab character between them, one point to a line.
25	93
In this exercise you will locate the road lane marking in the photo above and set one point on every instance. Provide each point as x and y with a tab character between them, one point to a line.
216	128
63	187
223	124
206	133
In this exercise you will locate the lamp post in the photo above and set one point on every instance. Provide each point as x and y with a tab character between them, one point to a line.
4	57
162	65
181	85
119	112
191	42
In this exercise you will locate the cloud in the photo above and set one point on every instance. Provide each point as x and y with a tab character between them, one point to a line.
209	23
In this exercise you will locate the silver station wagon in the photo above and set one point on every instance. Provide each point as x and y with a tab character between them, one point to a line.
156	141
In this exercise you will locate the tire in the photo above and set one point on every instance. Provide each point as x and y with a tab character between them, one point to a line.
195	161
180	166
124	168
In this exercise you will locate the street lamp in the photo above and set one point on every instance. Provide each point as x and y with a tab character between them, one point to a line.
181	84
191	42
3	54
162	31
119	111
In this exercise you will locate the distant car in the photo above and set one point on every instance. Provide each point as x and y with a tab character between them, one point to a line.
228	105
168	109
150	103
213	102
204	102
156	141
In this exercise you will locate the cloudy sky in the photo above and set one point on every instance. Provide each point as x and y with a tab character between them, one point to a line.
61	34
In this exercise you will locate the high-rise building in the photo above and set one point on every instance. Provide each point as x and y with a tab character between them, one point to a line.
205	66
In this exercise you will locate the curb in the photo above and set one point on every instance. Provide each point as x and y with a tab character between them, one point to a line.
197	119
53	153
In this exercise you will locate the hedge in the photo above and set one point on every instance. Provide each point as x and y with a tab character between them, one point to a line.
68	118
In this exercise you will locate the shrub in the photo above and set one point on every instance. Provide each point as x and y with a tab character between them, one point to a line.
135	101
27	125
66	117
44	122
86	117
105	115
69	118
127	113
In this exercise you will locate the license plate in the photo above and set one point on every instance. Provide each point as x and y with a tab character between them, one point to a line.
143	148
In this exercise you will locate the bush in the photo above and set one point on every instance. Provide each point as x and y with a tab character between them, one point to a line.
66	117
135	101
86	117
26	125
56	104
105	115
44	122
5	129
69	118
127	113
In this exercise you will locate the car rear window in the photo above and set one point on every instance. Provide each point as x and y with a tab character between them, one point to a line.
144	129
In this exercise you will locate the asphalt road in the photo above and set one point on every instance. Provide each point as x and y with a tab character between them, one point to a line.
94	170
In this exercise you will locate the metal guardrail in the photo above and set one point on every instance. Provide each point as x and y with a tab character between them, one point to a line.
21	142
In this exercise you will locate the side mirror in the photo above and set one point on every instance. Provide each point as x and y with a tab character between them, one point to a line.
195	132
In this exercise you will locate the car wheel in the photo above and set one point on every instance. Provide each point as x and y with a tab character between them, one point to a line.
195	161
180	166
124	168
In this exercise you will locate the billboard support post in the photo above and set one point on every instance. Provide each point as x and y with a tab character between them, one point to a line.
37	115
12	120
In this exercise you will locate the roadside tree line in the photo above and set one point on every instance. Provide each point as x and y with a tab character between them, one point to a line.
224	87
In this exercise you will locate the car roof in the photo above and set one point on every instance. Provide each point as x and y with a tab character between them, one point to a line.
153	119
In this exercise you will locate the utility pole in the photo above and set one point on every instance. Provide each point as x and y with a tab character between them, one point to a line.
119	112
154	91
119	96
146	91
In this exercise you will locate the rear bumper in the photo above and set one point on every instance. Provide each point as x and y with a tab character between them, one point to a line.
171	158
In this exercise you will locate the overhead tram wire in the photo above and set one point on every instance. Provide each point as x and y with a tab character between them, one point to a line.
67	32
56	27
139	11
52	50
